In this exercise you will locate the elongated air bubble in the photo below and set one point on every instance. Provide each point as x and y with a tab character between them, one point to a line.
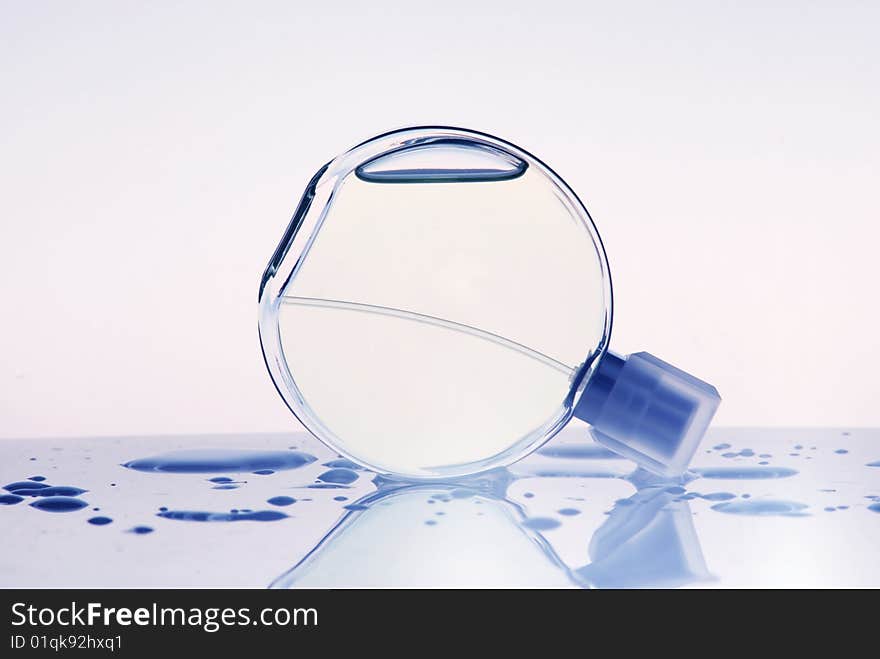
446	161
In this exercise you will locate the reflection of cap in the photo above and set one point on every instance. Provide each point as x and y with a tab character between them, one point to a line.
648	410
649	545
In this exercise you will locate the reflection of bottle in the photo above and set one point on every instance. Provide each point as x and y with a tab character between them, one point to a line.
442	536
648	541
441	305
467	535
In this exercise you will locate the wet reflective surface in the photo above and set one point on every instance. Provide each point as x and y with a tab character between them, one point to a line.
759	508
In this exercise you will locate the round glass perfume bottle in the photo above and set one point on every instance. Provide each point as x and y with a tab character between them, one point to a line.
440	304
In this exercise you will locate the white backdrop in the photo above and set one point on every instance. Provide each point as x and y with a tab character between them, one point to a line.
152	154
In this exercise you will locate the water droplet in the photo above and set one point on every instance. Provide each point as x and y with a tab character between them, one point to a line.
281	501
721	447
59	504
841	451
52	491
718	496
241	516
342	463
202	461
541	523
264	472
10	499
140	530
569	512
746	473
100	521
346	499
762	507
24	485
338	476
36	478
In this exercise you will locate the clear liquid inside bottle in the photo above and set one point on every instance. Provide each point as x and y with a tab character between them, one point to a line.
437	320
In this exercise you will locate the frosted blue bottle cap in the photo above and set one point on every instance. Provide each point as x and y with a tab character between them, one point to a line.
648	410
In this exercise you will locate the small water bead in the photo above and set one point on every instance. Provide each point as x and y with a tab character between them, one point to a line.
346	499
59	504
225	486
338	476
568	512
51	491
99	521
431	522
841	451
762	508
264	472
830	509
718	496
541	523
244	515
528	495
342	463
574	473
281	501
746	473
874	507
24	485
220	479
36	478
10	499
140	530
720	447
